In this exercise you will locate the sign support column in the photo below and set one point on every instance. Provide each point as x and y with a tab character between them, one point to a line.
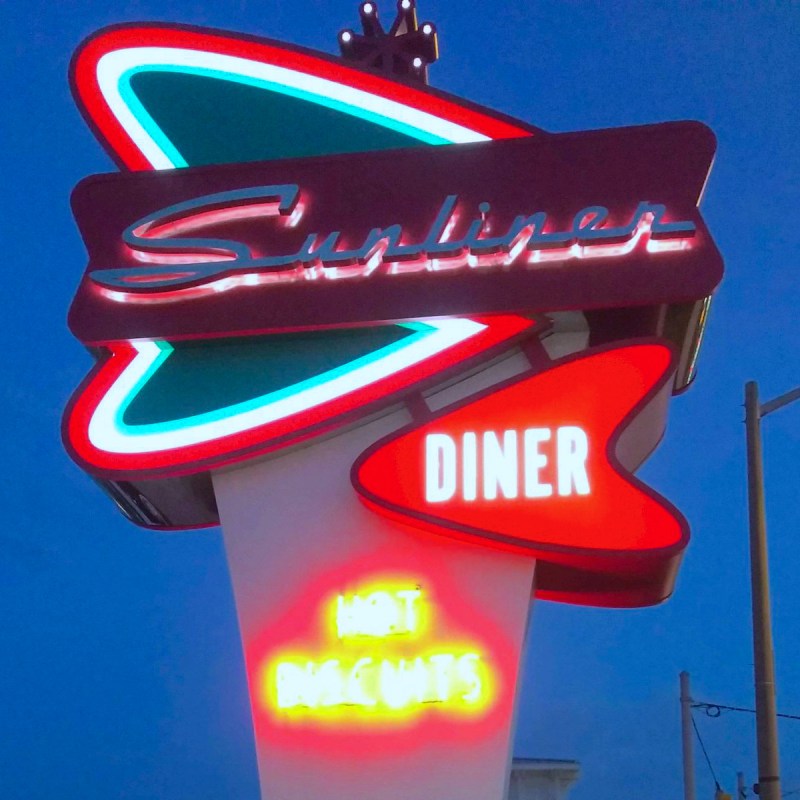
298	515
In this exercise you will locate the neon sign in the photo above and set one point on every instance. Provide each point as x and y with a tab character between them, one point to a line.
299	293
452	465
383	656
625	240
540	464
268	246
154	239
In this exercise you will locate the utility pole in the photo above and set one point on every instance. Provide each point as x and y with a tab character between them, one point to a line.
763	656
687	740
741	789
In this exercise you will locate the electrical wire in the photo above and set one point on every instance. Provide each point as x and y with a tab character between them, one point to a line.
705	753
715	709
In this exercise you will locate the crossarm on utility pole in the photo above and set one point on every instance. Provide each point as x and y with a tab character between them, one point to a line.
779	402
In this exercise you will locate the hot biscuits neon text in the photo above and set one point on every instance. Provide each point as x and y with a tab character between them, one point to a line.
381	658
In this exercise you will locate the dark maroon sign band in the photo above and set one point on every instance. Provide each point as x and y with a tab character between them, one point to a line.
568	221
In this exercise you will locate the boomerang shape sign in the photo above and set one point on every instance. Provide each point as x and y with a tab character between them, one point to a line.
541	464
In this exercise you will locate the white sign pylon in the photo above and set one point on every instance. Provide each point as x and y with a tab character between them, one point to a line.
425	711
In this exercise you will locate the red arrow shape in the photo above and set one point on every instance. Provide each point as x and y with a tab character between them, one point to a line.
535	465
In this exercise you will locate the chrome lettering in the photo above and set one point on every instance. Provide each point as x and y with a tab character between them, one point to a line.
175	261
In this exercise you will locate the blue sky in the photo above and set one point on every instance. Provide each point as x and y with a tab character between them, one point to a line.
120	673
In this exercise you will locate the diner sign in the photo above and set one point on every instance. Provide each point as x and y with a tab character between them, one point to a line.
572	221
538	465
409	352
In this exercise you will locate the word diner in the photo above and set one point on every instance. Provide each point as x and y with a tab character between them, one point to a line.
496	466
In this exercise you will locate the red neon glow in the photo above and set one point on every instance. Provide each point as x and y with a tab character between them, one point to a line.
373	265
450	655
532	465
500	331
198	221
383	658
84	72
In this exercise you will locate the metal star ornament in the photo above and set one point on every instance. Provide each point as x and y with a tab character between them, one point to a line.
406	50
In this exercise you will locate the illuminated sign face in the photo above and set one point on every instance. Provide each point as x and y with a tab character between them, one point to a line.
384	658
380	653
198	275
540	464
236	309
514	226
509	460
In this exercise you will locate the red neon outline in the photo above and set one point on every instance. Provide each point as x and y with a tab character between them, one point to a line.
100	118
502	332
621	561
83	78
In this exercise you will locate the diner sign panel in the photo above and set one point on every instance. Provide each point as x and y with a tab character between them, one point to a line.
542	464
572	221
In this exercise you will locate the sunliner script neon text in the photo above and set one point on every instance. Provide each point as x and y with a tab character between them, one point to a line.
175	259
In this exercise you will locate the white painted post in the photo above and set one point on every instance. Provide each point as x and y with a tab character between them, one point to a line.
295	532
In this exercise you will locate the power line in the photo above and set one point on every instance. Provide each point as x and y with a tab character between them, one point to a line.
715	709
705	753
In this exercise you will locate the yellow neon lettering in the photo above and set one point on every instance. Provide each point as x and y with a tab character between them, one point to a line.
380	613
377	674
356	694
393	684
419	681
409	597
467	669
439	678
327	683
290	683
441	675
